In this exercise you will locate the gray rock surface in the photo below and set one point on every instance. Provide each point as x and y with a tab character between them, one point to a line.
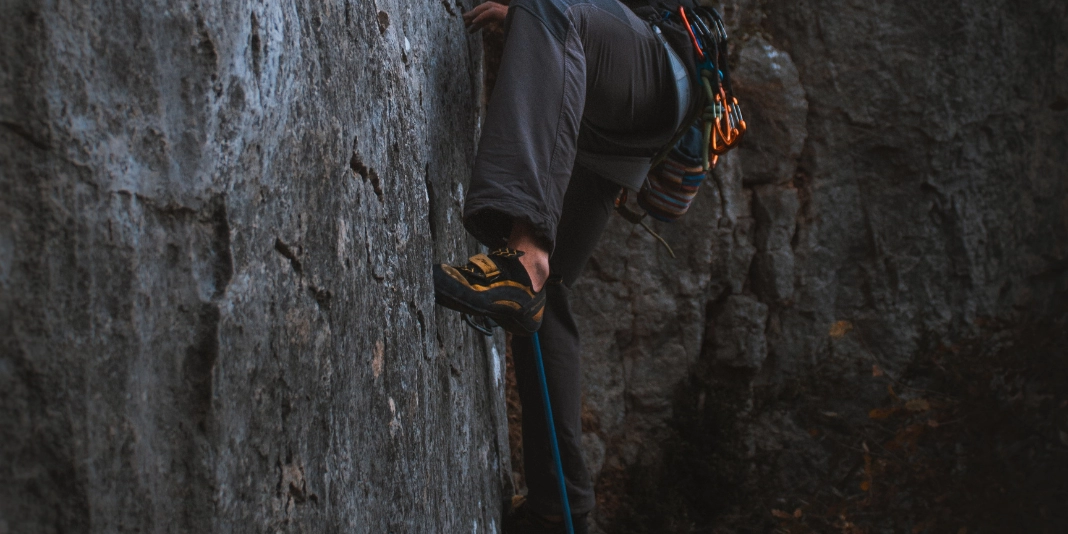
775	209
217	221
735	334
903	183
773	101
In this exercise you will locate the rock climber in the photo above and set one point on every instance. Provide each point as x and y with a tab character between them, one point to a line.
586	90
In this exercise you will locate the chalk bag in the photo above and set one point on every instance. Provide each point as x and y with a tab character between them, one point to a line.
672	184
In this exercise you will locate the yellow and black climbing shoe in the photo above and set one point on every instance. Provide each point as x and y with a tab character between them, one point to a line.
494	285
520	519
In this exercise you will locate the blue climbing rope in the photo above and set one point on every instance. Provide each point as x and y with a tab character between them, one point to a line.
552	435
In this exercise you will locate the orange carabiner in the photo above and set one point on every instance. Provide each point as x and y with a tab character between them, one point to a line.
686	21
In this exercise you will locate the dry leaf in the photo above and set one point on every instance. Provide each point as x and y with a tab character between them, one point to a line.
781	514
882	413
865	486
890	389
840	329
918	405
797	513
907	437
814	432
932	423
875	371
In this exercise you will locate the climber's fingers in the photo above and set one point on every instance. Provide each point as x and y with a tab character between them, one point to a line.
485	14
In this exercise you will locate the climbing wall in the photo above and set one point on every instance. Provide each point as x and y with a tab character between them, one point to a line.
217	221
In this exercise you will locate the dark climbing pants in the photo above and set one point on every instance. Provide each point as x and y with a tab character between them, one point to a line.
573	73
587	205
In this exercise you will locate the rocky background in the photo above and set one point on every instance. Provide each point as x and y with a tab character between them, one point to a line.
217	221
864	331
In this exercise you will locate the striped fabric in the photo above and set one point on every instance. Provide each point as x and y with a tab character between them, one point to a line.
672	185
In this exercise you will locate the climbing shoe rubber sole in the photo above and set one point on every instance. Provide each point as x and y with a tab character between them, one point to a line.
493	285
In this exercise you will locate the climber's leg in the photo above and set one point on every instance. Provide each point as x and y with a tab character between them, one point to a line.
567	66
587	206
572	70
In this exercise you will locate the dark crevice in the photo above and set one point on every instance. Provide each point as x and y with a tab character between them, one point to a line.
206	47
199	364
169	210
222	255
286	251
257	46
363	171
431	218
321	296
22	132
372	177
383	21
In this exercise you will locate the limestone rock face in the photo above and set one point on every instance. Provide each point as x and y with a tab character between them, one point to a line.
901	185
736	333
773	101
217	221
775	209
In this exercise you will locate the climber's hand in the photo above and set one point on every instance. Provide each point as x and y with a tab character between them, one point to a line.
485	14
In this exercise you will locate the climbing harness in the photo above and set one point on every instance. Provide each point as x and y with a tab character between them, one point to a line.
678	170
669	181
723	124
553	444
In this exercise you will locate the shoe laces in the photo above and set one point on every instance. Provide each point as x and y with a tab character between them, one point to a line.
473	269
506	253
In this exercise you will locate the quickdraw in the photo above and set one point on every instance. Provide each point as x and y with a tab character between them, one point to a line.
724	124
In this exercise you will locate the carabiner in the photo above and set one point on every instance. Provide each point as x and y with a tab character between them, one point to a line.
686	21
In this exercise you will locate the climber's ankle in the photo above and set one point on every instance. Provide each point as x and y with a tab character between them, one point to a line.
535	256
